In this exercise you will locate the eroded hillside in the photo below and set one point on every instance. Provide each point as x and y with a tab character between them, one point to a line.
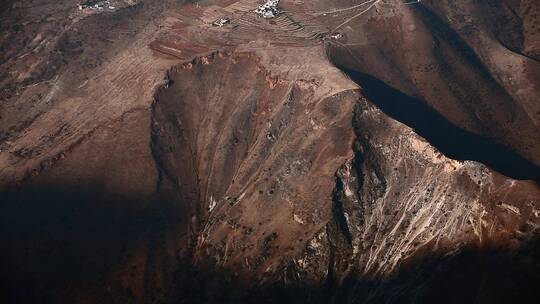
377	151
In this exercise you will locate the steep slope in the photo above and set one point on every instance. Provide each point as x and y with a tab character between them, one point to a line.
342	152
454	56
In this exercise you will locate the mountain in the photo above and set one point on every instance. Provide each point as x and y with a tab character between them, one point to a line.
236	151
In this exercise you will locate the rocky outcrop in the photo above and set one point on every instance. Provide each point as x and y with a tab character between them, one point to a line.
243	148
403	207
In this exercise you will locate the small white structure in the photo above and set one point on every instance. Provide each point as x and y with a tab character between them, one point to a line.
96	5
269	9
221	22
212	204
336	36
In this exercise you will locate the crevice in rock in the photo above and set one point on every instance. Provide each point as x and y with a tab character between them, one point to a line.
341	278
154	133
339	212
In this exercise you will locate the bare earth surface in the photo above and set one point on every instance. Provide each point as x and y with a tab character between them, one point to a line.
373	151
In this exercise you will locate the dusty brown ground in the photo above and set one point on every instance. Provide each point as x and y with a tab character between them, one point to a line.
147	156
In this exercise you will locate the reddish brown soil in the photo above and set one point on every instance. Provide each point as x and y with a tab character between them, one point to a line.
147	156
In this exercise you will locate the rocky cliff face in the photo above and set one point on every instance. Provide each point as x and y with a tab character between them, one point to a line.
342	152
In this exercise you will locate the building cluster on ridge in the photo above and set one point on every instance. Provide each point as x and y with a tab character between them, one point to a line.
269	9
96	5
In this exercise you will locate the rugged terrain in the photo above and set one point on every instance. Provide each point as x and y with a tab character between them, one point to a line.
376	151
